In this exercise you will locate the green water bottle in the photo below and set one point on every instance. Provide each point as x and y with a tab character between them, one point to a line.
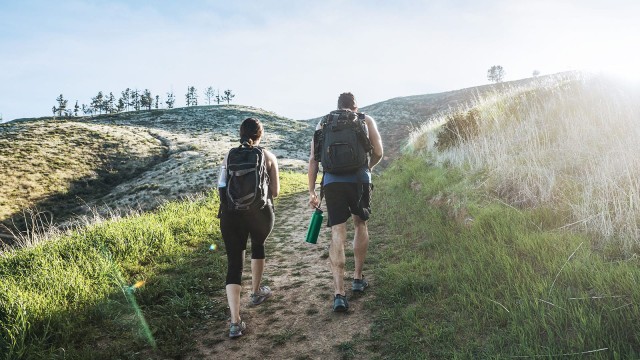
314	227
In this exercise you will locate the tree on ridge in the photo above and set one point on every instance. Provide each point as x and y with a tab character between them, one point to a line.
171	99
191	96
228	95
209	94
62	105
495	73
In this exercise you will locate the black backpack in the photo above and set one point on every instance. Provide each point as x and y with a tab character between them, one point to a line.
342	144
247	179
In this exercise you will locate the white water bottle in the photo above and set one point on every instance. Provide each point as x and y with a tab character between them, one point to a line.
222	176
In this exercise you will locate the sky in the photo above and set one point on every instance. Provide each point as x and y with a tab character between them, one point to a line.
294	57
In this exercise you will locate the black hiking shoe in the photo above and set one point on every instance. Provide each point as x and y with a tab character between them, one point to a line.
340	303
358	285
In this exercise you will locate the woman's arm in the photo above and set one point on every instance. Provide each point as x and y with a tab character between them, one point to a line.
272	169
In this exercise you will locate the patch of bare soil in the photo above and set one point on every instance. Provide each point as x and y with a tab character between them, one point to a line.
297	322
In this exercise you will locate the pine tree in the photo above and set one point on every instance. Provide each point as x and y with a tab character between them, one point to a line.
76	109
97	103
228	95
149	97
192	96
120	106
146	100
171	99
218	97
86	109
157	101
135	100
209	94
62	105
109	104
126	98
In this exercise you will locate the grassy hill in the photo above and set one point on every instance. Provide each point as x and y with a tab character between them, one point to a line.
510	228
115	164
63	171
507	228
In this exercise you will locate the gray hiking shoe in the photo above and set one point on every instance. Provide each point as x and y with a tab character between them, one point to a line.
236	329
258	298
358	285
340	303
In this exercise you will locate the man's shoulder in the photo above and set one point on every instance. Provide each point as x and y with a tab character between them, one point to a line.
371	123
368	117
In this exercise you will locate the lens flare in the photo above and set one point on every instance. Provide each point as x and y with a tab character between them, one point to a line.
213	247
139	284
143	322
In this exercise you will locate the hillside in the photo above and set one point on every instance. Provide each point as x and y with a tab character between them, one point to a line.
113	164
475	250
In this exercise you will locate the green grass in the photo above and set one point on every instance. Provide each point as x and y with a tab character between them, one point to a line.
459	275
72	297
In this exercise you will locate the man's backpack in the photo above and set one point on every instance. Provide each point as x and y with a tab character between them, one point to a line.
247	179
342	144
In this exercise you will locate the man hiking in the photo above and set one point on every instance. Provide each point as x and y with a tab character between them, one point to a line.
348	145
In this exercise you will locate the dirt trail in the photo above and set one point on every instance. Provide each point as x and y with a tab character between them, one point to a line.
297	322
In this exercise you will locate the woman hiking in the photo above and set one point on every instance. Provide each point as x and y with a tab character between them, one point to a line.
247	184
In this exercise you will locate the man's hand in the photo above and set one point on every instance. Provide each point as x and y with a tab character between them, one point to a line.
314	201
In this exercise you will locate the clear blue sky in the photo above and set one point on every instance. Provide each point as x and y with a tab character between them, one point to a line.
295	57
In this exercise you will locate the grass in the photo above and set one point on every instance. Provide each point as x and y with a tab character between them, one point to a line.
56	166
569	143
78	296
468	276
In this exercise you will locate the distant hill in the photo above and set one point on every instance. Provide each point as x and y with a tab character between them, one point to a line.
128	161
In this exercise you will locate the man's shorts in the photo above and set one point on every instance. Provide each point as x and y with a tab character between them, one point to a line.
344	199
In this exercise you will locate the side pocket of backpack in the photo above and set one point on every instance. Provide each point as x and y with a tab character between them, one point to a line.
317	144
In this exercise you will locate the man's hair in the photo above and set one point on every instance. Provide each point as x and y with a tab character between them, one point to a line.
250	131
347	101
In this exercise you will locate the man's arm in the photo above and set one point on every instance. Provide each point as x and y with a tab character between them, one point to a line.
312	174
376	142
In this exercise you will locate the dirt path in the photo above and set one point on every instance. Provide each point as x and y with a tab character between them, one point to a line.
297	322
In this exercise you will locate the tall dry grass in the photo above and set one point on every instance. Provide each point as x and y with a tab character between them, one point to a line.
568	142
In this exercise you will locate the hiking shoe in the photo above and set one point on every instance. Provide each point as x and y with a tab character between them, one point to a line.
236	329
340	303
358	285
262	295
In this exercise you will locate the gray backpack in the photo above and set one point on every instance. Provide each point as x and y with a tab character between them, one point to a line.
342	144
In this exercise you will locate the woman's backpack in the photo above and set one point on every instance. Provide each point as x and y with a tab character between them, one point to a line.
247	179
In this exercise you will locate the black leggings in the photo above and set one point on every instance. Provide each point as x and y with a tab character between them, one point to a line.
236	228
